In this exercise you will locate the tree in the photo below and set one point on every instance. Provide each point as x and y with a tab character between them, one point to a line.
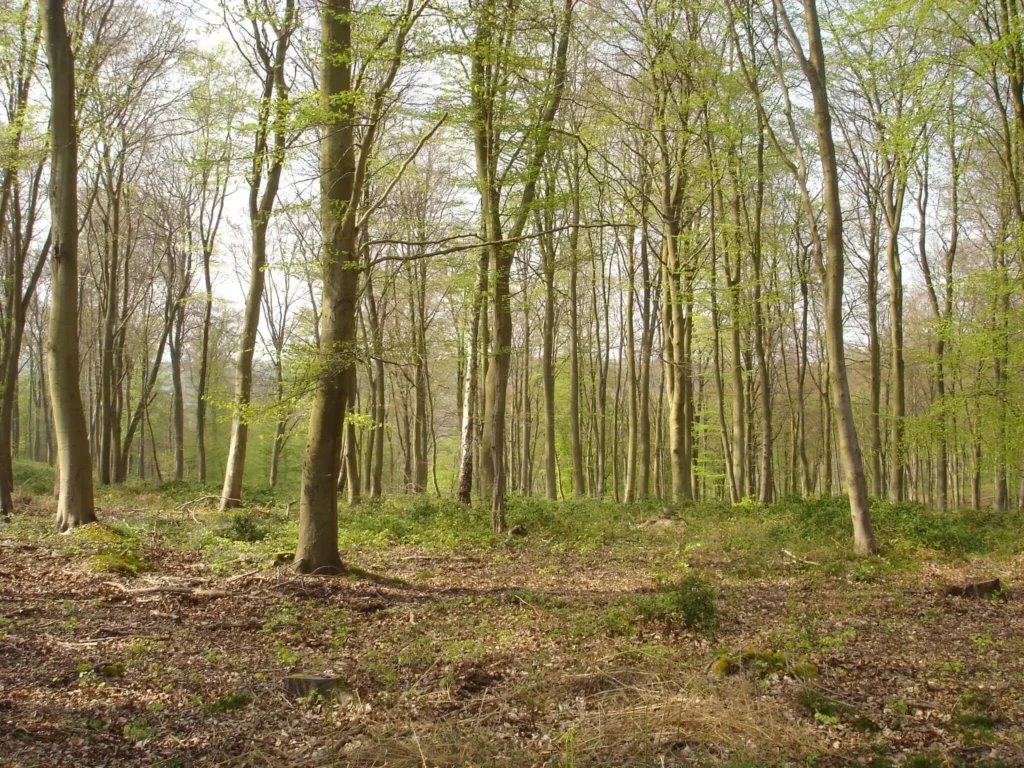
75	497
270	40
812	64
344	163
490	57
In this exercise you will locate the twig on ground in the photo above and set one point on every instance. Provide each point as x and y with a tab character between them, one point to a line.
170	590
187	504
240	576
796	559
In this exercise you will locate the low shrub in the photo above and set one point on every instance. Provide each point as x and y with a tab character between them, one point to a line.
688	603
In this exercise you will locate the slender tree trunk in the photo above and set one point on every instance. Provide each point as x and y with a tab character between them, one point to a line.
646	352
765	492
525	471
419	441
632	442
375	455
548	375
352	481
204	367
716	347
110	320
178	404
739	427
830	261
895	191
875	352
465	484
261	207
579	489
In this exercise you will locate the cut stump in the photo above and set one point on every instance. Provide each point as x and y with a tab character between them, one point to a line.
304	686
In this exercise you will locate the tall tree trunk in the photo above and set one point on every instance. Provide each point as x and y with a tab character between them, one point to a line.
178	399
739	427
646	351
375	478
578	485
875	351
112	227
895	193
75	497
317	550
853	465
352	481
716	347
632	442
204	366
526	465
470	407
765	492
270	153
548	374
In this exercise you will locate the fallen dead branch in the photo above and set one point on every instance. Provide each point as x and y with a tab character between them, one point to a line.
170	590
187	504
796	559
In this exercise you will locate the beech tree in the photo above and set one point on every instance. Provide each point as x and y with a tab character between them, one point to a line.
75	493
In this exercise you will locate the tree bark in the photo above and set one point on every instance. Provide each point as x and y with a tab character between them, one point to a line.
853	466
268	156
75	497
317	550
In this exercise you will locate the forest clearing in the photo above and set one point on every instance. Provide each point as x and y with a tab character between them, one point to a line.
721	636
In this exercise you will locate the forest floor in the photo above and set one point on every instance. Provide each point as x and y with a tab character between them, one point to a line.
732	636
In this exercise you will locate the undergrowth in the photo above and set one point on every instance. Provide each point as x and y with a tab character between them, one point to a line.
749	536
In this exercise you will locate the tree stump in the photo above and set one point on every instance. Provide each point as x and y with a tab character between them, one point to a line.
976	589
304	686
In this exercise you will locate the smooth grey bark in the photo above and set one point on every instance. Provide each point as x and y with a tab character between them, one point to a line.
813	66
268	160
75	488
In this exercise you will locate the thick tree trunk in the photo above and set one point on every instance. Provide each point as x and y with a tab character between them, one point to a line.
317	550
75	497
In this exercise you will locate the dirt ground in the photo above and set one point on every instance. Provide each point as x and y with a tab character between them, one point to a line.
518	656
